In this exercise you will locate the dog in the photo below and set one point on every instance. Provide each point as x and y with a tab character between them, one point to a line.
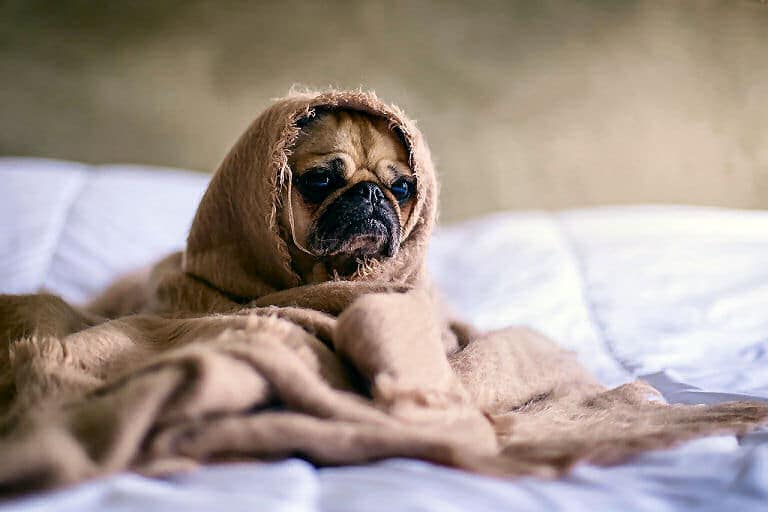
352	192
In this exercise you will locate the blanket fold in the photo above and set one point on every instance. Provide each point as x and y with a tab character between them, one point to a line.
223	353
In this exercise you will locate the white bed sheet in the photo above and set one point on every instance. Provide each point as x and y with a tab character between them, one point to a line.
676	295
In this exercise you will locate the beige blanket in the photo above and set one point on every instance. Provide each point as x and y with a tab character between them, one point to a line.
222	353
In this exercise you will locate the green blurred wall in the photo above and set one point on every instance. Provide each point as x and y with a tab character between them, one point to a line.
526	104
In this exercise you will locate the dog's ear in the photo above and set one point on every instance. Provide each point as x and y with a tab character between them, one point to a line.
304	121
313	115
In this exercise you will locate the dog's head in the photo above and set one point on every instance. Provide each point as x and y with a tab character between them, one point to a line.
352	192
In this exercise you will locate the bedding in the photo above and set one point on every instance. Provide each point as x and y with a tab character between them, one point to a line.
671	294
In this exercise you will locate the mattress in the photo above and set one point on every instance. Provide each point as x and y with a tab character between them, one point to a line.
674	295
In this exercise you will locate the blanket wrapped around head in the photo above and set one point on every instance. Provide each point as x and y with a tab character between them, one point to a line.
222	352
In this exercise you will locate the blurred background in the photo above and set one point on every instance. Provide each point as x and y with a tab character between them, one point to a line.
526	104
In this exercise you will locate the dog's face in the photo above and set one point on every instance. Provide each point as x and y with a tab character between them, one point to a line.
352	192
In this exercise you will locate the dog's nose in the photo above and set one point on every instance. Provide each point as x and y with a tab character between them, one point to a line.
370	191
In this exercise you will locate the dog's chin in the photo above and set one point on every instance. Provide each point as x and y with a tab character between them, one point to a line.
369	238
342	248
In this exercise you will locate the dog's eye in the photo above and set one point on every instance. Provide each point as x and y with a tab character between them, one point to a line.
316	184
402	189
317	180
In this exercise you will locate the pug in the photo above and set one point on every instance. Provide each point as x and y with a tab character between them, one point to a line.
352	192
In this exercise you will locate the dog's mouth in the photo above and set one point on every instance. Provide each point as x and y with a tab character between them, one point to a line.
364	238
356	227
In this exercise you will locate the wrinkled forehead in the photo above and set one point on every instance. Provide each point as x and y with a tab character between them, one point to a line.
353	141
328	130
